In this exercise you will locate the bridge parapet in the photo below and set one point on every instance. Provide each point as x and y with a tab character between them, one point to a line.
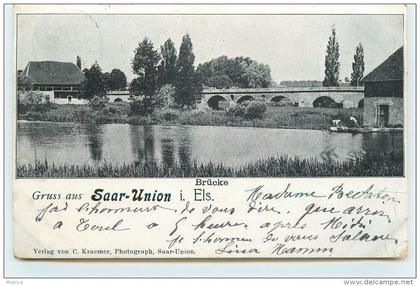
285	89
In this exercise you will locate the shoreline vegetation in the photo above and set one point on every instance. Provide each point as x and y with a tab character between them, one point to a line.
274	117
283	166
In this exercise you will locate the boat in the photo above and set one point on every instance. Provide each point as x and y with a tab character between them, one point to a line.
345	129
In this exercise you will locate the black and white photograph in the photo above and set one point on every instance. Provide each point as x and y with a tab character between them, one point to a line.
208	95
210	140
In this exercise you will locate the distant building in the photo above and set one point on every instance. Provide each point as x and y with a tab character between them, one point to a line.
383	97
60	80
118	96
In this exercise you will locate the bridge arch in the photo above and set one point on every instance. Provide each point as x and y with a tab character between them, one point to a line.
278	98
326	101
213	102
281	100
244	98
118	99
361	103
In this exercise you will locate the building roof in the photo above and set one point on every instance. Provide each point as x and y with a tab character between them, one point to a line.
390	70
54	73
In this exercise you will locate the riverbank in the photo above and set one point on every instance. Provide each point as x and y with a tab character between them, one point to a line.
368	165
275	117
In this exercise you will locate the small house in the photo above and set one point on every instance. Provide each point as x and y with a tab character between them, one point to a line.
118	96
60	80
383	104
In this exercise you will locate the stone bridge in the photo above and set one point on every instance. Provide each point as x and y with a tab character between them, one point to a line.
342	97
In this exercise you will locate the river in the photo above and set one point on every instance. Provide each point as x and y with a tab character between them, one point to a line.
75	143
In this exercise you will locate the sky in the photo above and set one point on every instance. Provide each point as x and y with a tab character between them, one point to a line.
292	45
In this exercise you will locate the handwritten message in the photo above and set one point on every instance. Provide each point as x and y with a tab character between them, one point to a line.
210	218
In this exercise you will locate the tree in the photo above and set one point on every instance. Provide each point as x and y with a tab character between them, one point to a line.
257	75
219	81
161	73
332	65
168	64
358	66
142	88
187	87
106	77
243	72
94	83
118	80
24	82
79	62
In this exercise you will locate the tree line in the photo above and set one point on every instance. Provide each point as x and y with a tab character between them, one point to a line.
171	74
174	74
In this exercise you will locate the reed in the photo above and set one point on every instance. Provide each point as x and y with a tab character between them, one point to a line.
283	166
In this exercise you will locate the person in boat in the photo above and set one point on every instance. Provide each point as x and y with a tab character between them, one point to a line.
336	122
354	121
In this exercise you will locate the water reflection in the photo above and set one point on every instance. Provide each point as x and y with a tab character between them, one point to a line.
329	152
168	148
149	146
95	141
175	144
391	145
70	143
184	150
336	143
142	143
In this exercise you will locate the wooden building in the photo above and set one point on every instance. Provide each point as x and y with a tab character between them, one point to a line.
383	96
60	80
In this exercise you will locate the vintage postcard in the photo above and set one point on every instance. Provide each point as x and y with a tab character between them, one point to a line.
210	131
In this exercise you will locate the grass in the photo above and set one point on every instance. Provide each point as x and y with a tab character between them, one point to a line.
275	117
368	165
307	117
114	113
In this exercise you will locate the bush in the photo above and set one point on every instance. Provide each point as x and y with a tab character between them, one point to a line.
255	109
136	106
33	98
248	109
238	110
141	105
247	124
165	96
112	110
33	115
33	101
23	108
83	115
169	114
98	102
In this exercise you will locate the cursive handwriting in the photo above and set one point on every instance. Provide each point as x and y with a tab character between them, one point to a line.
98	209
290	220
51	208
85	225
